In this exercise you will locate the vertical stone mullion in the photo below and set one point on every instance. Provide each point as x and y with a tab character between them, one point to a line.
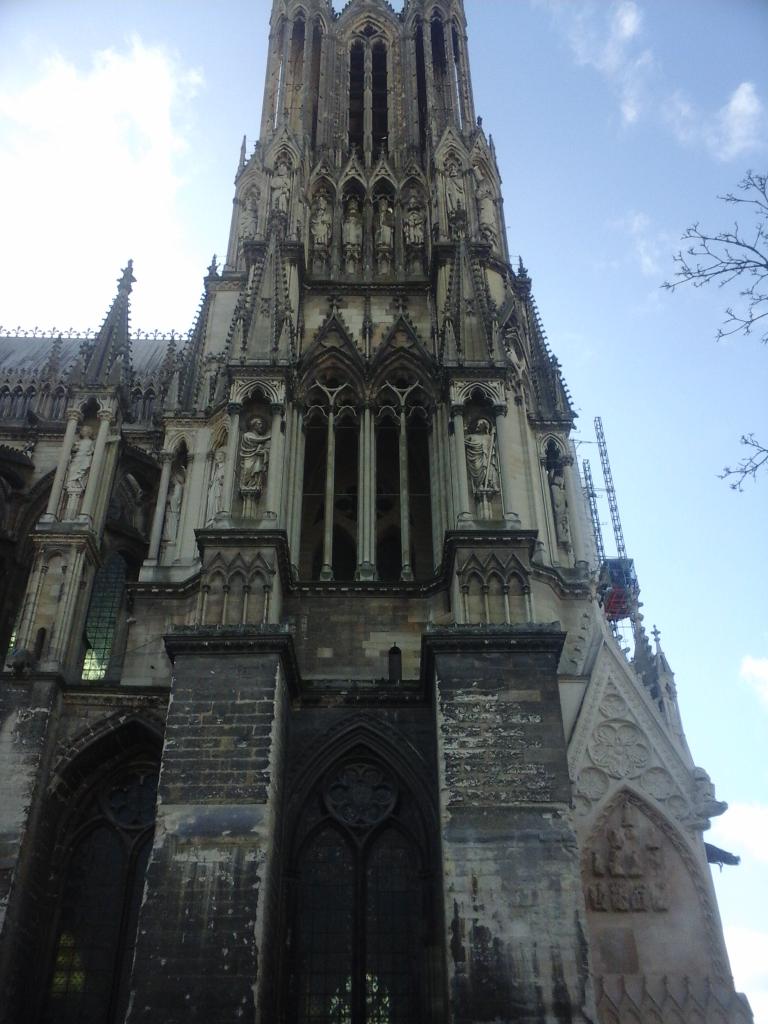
276	467
233	437
462	487
330	469
95	484
156	534
405	521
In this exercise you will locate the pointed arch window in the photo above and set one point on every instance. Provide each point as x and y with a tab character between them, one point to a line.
99	900
361	904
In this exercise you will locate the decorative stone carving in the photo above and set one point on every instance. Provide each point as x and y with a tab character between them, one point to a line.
556	476
216	485
482	463
352	235
486	208
250	219
361	795
78	470
705	806
620	749
254	462
658	783
384	238
455	199
280	189
320	231
626	866
173	504
414	234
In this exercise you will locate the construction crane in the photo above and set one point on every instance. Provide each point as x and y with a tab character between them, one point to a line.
618	587
591	493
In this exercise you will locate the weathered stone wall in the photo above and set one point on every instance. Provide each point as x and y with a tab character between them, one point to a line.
207	907
348	635
26	712
516	948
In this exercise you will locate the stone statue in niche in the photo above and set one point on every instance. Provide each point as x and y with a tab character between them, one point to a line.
414	233
414	225
483	464
250	221
216	485
281	186
455	199
352	235
78	470
254	462
384	237
320	230
556	480
173	504
486	208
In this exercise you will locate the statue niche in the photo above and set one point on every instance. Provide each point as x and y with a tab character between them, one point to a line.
320	225
483	466
215	497
254	462
352	235
414	234
487	214
280	188
175	497
384	235
555	464
78	471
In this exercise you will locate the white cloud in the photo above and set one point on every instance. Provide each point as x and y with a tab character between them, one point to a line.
743	830
649	246
738	126
605	37
736	129
91	162
755	672
747	951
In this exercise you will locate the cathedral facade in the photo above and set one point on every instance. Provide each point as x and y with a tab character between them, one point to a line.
311	710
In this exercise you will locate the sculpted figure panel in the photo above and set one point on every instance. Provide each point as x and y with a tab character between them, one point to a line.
216	486
78	470
352	235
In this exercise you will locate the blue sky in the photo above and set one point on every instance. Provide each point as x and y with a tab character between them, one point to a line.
617	123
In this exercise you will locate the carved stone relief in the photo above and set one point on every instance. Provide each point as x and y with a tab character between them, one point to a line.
626	866
77	471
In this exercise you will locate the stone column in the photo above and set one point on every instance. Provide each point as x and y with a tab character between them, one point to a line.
370	514
436	497
368	106
462	486
233	438
51	511
94	484
505	828
405	522
298	488
362	496
162	496
505	462
276	470
575	521
282	75
326	572
214	861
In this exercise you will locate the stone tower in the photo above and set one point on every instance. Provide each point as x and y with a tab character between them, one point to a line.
312	712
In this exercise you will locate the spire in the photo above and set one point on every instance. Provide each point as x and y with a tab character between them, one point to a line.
241	164
110	356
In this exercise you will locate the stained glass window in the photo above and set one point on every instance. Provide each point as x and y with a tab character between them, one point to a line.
103	616
359	946
99	902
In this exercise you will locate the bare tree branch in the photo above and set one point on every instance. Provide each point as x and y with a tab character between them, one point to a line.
729	255
749	465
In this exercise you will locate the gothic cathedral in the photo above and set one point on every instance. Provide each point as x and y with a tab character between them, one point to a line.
312	712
